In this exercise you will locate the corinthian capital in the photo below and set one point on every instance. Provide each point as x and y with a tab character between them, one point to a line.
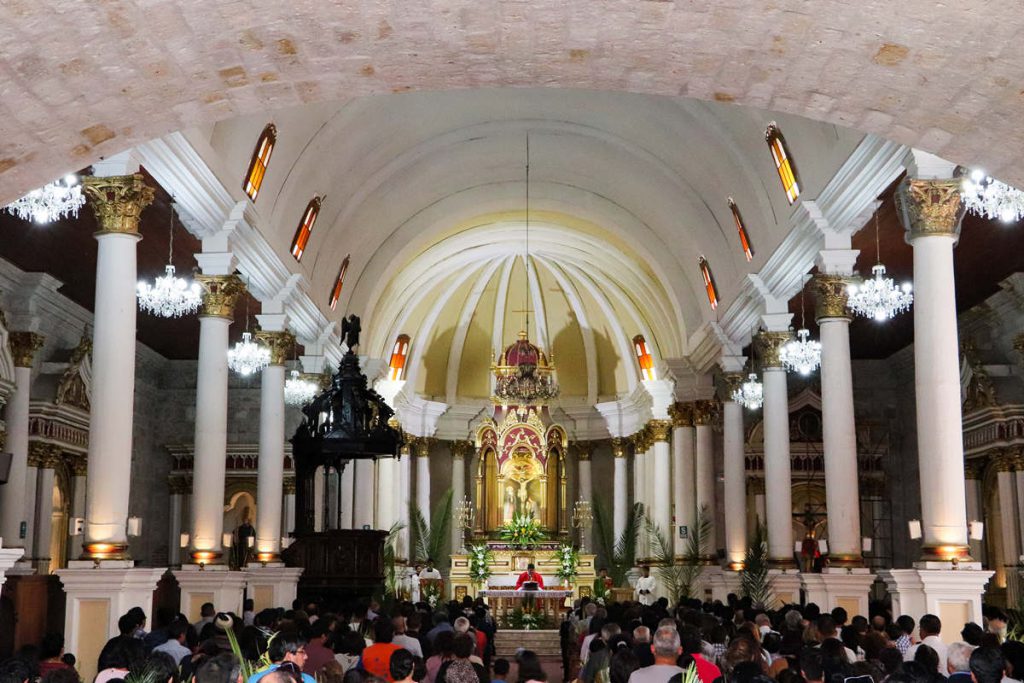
930	207
703	412
118	201
279	343
682	414
24	346
771	344
830	297
220	294
659	430
461	448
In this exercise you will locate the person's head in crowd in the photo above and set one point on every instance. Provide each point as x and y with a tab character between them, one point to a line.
826	626
839	616
851	639
178	630
383	631
443	644
789	675
997	620
126	653
893	632
501	668
69	659
287	647
463	646
596	645
609	631
349	643
64	674
771	642
318	631
249	605
958	657
865	672
461	625
906	624
15	670
224	668
690	640
972	634
641	634
987	665
413	623
1013	655
927	657
739	650
891	660
812	667
159	667
859	623
530	667
793	620
745	672
207	610
666	645
401	666
52	646
623	663
873	643
878	623
398	624
930	625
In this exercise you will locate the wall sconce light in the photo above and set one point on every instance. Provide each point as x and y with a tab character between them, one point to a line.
914	527
226	540
183	541
134	526
977	530
866	544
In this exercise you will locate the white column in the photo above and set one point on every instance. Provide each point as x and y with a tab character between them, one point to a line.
640	486
1008	522
288	516
734	472
44	509
31	491
684	490
404	497
776	452
705	464
975	512
348	483
270	477
839	433
931	212
117	202
421	448
620	485
460	449
364	482
221	292
661	480
13	498
584	452
78	505
387	479
177	504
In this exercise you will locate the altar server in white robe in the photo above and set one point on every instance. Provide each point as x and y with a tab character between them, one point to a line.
643	592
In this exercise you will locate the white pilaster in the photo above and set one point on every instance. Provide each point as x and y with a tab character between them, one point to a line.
460	449
735	489
387	478
586	489
620	485
271	586
177	504
402	502
13	502
44	518
216	584
839	587
8	558
706	484
422	451
777	467
684	491
1008	526
270	478
364	482
661	479
77	511
954	596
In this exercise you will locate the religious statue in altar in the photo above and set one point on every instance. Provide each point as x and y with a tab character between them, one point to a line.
521	470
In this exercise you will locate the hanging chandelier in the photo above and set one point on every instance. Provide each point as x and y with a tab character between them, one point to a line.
750	394
985	196
51	202
802	354
248	357
169	296
299	389
879	297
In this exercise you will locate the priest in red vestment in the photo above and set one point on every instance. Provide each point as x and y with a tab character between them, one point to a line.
530	575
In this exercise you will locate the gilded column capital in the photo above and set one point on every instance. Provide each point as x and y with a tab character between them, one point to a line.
179	486
755	487
117	201
584	450
620	447
220	294
771	344
289	487
703	412
24	346
80	466
682	414
929	208
733	381
461	448
280	344
973	469
830	296
43	455
659	430
421	446
641	441
1004	461
406	447
3	439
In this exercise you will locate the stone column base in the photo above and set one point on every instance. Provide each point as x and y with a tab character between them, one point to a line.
272	585
837	587
98	593
8	559
785	586
215	583
954	595
717	583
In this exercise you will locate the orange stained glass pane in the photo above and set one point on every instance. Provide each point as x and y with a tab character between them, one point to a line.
338	284
260	160
305	229
742	230
709	282
396	367
643	357
783	162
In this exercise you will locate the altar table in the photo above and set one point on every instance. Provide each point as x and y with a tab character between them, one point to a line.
504	601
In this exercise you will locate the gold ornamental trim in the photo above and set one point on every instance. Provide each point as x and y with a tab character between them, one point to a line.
619	447
703	413
1004	461
584	450
80	466
973	469
179	486
421	446
641	441
24	346
733	382
659	430
289	487
461	448
280	343
756	487
682	414
930	208
42	455
830	297
220	294
771	344
118	202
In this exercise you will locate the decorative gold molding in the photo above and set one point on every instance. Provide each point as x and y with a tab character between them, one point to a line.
682	414
733	382
289	487
619	447
659	430
461	448
24	346
755	487
421	446
280	344
929	208
118	201
80	466
641	441
771	344
973	469
1004	461
829	297
704	412
179	486
584	450
43	455
220	294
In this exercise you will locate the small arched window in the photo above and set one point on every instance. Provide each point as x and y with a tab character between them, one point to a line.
643	357
260	160
305	229
783	161
396	367
744	240
709	282
339	283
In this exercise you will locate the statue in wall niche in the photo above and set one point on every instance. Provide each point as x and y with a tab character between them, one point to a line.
243	543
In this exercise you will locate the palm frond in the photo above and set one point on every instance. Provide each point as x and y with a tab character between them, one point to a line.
604	530
440	527
420	532
391	559
625	546
696	549
619	554
755	582
665	568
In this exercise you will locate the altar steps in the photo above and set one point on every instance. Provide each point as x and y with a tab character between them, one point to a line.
544	642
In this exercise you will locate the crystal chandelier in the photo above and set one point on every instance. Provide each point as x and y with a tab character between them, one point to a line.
169	296
879	297
802	354
51	202
248	357
985	196
299	389
750	394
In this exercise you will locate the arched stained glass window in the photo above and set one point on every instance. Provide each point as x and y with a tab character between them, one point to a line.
339	283
783	161
400	351
260	160
305	229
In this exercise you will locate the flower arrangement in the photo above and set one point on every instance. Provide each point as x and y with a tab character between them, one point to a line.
431	592
522	531
568	563
527	620
480	560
